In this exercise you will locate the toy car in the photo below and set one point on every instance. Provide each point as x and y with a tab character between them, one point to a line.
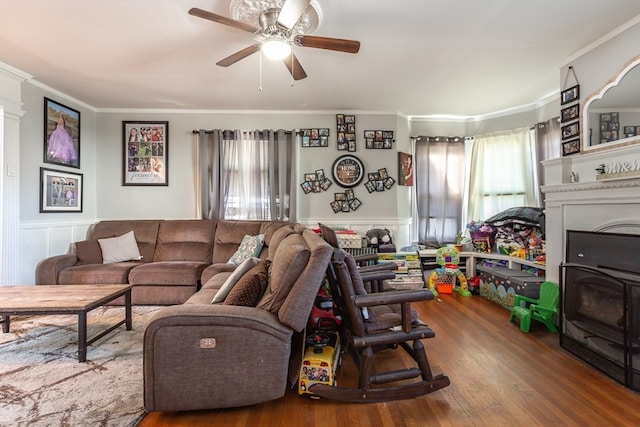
321	361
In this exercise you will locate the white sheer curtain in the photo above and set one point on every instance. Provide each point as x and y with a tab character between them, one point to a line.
246	174
502	173
440	171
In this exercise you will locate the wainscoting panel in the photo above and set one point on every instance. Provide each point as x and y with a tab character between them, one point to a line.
42	240
400	228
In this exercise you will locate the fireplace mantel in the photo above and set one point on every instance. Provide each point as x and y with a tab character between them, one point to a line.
590	204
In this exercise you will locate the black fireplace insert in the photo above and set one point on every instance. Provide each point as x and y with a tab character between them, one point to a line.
600	302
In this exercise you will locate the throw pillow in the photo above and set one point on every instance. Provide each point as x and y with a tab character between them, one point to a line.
88	252
249	247
250	287
228	284
121	248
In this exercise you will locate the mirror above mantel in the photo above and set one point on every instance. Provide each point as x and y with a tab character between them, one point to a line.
611	115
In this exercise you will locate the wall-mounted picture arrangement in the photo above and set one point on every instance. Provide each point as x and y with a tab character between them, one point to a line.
571	147
61	134
346	127
569	95
345	202
570	131
60	191
405	169
378	139
630	131
379	181
315	137
315	182
570	113
146	153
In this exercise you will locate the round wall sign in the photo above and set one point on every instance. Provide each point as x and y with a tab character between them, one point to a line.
348	171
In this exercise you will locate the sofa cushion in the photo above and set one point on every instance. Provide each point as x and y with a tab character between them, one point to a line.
146	232
250	287
277	237
185	240
250	246
229	234
182	273
121	248
88	252
233	278
115	273
288	262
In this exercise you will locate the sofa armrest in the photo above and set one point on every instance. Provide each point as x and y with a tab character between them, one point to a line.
48	270
207	356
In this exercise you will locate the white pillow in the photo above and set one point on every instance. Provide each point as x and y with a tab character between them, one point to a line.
233	278
121	248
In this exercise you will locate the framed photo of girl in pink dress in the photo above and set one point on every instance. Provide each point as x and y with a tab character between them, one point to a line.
61	134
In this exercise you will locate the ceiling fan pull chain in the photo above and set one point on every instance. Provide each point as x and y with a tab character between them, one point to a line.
260	70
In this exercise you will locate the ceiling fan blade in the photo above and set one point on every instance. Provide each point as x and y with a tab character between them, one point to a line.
223	20
232	59
294	67
291	12
341	45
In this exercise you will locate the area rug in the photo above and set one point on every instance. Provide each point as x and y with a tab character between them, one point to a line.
43	384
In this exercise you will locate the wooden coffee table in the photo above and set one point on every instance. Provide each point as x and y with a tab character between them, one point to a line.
64	299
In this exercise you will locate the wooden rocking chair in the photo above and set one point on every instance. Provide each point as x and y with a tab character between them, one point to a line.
372	322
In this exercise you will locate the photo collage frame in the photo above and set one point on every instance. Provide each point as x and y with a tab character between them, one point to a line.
570	115
345	202
379	181
314	137
315	182
378	139
346	136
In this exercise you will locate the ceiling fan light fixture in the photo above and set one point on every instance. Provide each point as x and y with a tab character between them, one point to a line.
276	49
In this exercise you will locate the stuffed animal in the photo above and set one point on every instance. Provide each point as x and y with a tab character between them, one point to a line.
378	236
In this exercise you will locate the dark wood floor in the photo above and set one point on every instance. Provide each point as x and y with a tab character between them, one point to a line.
499	377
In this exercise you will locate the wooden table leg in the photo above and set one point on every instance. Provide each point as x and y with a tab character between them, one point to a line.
127	308
5	323
82	337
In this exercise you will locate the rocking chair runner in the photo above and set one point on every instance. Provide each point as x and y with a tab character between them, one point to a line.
372	322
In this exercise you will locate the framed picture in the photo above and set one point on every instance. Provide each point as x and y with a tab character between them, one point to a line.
60	191
571	147
61	134
346	132
377	139
405	169
348	171
570	113
570	95
316	137
570	131
146	153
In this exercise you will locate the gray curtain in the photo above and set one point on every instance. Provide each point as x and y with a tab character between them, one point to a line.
439	171
547	146
266	172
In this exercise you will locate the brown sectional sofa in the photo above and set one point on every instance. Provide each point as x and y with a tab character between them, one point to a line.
178	256
199	355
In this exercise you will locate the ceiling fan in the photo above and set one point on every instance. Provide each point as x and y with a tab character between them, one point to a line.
277	34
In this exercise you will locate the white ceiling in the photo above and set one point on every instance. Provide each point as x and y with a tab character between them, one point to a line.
417	57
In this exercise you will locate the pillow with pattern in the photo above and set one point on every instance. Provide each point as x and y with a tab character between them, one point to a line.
250	287
251	246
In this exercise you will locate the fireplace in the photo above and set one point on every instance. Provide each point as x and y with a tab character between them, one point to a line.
600	302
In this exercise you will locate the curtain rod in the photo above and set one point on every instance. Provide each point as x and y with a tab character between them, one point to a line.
210	131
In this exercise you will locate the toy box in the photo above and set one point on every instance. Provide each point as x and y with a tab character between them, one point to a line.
500	284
